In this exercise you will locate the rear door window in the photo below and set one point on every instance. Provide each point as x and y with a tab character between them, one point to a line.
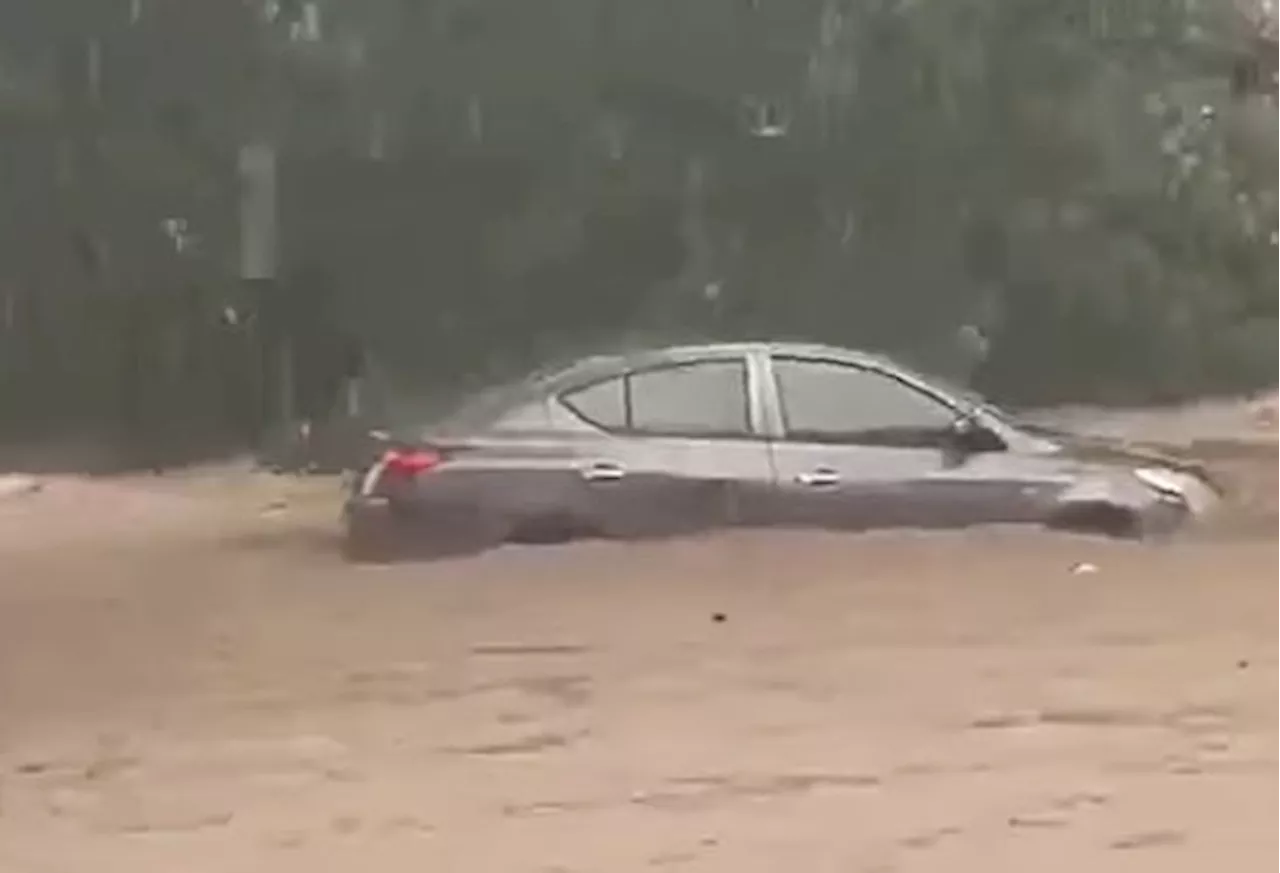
704	399
700	399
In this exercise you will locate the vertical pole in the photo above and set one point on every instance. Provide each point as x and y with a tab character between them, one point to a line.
258	271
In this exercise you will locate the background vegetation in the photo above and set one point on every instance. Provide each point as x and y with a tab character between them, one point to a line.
470	186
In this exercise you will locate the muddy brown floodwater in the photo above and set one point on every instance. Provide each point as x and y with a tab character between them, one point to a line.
192	682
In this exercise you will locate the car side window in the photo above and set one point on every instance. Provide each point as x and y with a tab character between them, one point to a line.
828	402
702	399
603	404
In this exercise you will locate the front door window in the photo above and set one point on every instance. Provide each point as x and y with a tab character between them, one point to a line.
839	404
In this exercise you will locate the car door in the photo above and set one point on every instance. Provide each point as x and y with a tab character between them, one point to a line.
676	449
858	447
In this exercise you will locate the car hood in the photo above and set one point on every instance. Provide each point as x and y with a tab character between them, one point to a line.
1111	452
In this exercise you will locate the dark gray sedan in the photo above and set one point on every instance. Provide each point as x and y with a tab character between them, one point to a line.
676	440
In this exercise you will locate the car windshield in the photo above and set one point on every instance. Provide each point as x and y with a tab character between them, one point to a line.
950	388
486	406
977	402
456	411
1006	417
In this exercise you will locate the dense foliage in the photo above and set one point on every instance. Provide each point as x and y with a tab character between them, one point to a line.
472	185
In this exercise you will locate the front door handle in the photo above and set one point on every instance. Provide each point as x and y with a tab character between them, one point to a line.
604	471
823	477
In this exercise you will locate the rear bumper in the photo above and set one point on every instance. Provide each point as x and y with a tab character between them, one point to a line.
364	510
372	531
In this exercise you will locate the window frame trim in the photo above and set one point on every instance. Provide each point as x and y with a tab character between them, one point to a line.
777	419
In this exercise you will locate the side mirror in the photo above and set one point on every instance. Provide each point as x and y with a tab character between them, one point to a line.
968	436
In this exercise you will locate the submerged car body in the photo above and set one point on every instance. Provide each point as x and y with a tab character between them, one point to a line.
683	439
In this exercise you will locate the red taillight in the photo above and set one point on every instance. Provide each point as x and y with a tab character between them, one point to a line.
408	462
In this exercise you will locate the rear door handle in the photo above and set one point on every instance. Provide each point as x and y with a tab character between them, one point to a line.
823	477
604	471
